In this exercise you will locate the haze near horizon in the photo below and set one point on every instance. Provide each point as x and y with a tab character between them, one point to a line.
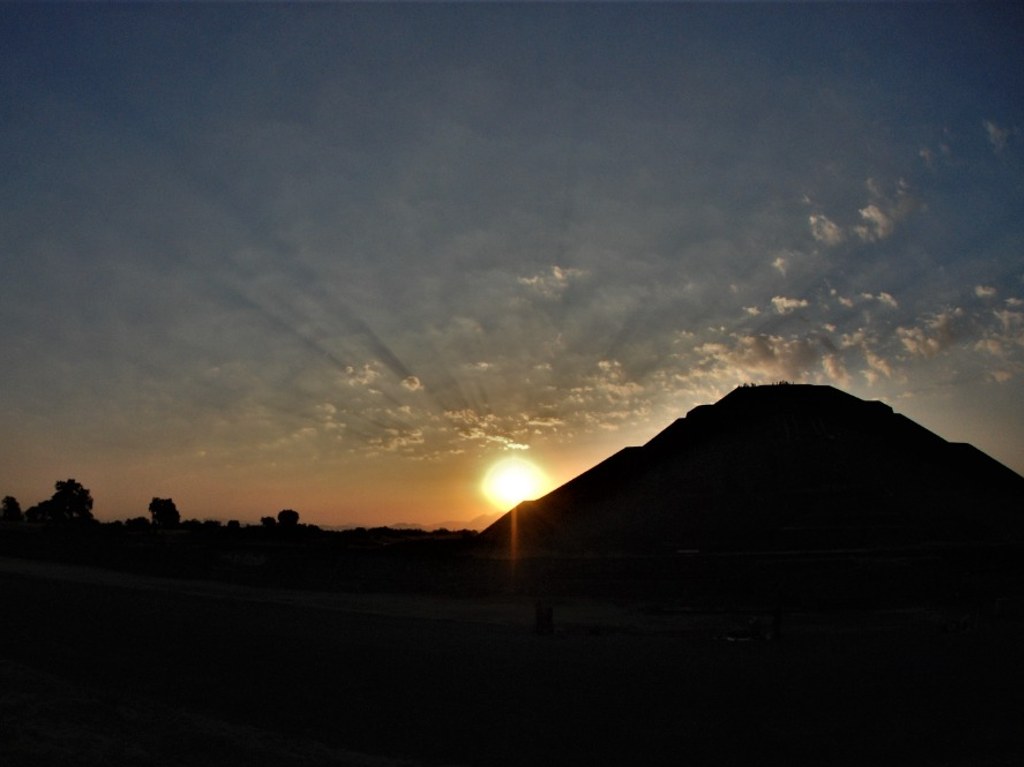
346	258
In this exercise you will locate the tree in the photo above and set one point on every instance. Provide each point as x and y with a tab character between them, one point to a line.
268	521
71	503
37	513
11	509
165	513
288	518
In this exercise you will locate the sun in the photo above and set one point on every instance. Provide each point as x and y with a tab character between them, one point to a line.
512	480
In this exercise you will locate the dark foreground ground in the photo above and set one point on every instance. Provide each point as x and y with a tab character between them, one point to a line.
121	670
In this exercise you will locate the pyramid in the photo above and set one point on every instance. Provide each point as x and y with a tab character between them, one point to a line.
784	467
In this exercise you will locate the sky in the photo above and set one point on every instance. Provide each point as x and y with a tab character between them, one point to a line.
342	258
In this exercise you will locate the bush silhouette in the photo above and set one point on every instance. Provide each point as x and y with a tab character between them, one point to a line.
288	518
165	513
11	509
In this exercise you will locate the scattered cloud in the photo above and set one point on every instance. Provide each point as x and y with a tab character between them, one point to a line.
835	369
991	346
553	282
760	357
877	363
882	298
613	381
394	440
412	383
487	428
878	225
878	217
825	230
366	375
888	300
845	301
937	334
785	305
543	422
997	136
985	291
1012	324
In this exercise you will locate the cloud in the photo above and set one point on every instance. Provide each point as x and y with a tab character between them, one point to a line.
997	136
366	375
877	363
866	343
826	231
835	369
785	305
937	335
552	283
990	345
506	431
779	264
878	226
882	298
613	382
878	217
395	440
845	301
760	358
888	300
1012	323
606	397
985	291
543	422
412	383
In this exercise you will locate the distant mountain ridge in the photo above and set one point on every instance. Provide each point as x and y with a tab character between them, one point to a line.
478	522
785	466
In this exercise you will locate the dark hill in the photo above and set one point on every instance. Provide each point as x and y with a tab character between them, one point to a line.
781	467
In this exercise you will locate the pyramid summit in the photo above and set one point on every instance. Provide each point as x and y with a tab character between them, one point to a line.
777	467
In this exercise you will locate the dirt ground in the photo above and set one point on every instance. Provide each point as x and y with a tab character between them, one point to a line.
104	668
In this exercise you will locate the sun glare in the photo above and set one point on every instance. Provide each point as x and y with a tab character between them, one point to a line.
512	480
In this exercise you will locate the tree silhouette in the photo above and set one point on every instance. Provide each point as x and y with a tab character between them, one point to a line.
165	513
11	509
288	518
71	503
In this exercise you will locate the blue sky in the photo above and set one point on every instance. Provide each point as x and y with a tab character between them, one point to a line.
341	258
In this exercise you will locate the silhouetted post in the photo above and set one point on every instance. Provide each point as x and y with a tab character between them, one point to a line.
544	618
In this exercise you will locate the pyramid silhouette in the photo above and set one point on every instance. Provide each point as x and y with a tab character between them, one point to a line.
784	467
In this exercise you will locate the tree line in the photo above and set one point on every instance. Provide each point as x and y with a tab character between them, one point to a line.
72	503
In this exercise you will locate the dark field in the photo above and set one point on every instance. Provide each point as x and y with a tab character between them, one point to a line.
153	672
